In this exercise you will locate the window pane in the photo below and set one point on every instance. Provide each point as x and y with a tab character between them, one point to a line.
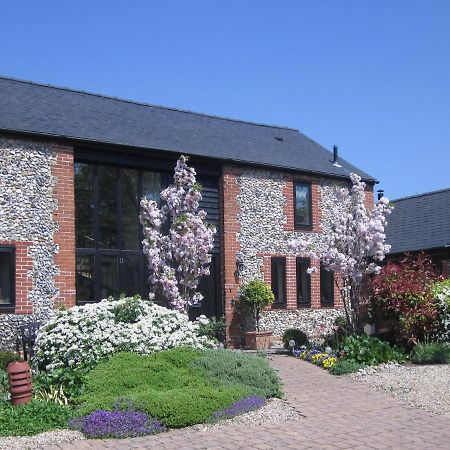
109	279
130	281
130	209
151	185
303	283
279	279
107	207
302	205
6	277
326	287
84	205
85	279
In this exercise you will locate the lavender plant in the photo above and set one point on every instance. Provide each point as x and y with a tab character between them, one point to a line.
179	258
242	406
116	424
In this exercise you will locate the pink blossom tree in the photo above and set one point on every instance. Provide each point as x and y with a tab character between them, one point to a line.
353	246
177	239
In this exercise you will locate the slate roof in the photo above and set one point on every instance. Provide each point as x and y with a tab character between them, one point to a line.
65	113
420	222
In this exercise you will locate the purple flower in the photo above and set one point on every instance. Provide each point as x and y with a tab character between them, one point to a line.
242	406
116	424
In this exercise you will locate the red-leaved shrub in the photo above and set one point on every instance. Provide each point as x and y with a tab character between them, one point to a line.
401	297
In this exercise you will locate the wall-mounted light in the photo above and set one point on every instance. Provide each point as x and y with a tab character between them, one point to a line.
239	267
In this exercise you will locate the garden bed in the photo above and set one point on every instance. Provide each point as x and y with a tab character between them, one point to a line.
425	387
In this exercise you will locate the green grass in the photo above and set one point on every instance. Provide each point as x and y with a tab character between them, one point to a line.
180	387
32	418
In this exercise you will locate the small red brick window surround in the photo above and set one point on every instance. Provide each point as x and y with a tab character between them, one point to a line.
326	287
278	281
303	206
7	277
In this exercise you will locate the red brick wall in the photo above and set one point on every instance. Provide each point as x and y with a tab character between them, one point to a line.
65	217
230	247
23	282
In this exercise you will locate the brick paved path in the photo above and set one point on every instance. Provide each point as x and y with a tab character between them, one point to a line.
339	414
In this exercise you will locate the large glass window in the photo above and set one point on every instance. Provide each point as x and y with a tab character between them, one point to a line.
326	287
7	268
110	260
303	283
279	280
303	206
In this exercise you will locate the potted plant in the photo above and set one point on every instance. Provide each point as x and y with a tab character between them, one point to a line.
254	296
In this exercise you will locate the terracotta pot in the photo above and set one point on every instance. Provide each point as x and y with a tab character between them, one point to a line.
258	340
20	386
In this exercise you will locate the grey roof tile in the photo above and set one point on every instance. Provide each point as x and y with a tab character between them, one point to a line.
420	222
53	111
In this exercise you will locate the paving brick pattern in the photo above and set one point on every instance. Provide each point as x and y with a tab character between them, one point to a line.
338	414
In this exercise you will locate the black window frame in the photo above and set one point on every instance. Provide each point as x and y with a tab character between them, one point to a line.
325	277
11	250
300	226
300	264
277	260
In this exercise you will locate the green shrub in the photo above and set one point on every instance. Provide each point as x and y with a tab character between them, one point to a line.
4	386
441	295
296	335
129	310
59	384
7	356
214	329
370	350
32	418
248	372
254	296
432	353
344	366
172	386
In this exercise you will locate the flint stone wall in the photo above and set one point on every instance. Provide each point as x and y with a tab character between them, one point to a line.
262	221
26	214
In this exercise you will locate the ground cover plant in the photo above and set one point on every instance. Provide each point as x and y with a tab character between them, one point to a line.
431	353
350	353
178	387
32	418
122	422
80	336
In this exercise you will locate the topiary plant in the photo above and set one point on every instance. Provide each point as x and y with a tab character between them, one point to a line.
254	296
296	335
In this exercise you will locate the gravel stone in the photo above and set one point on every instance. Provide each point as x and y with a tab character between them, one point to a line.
424	387
274	411
39	440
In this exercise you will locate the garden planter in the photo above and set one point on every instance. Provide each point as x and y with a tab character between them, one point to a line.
258	340
20	386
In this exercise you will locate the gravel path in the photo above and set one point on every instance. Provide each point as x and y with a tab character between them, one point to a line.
424	387
39	440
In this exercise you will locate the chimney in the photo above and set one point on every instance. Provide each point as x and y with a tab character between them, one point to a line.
380	193
335	155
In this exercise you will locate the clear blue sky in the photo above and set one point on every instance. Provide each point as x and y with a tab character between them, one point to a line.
372	77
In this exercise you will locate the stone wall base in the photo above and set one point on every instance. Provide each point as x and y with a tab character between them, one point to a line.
307	320
9	329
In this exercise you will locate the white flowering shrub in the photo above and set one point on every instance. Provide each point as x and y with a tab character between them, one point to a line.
80	336
441	294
